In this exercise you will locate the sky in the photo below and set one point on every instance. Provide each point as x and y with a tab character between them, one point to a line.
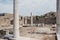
37	7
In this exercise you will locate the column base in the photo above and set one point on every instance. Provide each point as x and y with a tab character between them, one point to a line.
58	36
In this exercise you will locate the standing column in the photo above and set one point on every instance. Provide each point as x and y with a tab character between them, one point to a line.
16	20
31	20
23	20
43	24
7	32
58	19
26	20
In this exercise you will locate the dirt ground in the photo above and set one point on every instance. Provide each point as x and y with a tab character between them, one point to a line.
32	33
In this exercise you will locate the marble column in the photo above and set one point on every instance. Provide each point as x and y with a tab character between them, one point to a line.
23	20
31	20
58	20
43	24
26	20
16	20
7	32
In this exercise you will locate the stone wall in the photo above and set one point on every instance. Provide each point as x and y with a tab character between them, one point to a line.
7	20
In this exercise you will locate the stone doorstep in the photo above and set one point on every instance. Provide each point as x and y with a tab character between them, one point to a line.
3	39
25	38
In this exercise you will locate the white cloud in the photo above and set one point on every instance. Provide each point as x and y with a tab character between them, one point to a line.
37	6
6	8
28	6
0	0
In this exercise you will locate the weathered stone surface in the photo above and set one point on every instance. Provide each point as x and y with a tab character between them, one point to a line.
31	32
7	20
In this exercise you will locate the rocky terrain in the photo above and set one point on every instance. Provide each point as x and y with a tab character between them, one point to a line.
40	33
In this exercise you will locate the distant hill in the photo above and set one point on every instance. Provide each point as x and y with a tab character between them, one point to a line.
48	18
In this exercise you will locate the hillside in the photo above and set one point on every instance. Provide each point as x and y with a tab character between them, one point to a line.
48	18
